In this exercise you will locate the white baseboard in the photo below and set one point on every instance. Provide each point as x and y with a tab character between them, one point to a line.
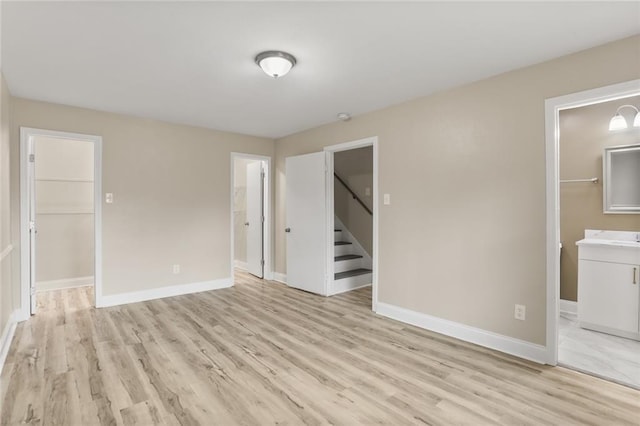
7	337
281	278
343	288
244	266
240	265
159	293
569	306
64	283
499	342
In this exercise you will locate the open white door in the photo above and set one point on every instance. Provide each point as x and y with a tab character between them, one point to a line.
306	222
31	184
255	219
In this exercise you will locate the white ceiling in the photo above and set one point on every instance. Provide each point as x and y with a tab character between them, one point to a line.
192	63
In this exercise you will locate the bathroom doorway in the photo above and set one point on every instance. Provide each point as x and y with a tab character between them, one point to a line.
581	136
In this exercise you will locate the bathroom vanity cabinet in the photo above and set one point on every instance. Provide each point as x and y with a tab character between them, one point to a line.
609	286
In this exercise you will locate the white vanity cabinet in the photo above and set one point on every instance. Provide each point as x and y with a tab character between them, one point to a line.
609	287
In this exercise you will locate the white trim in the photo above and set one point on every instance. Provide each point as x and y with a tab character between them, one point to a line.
370	141
6	252
7	337
64	283
268	213
553	106
342	286
499	342
281	278
569	306
161	292
238	264
25	134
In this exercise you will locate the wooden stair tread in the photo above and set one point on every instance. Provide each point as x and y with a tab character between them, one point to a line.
352	273
347	257
342	243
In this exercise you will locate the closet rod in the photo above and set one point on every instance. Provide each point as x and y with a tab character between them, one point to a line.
592	180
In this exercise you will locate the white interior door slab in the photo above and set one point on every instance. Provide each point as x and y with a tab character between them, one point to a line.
255	219
306	222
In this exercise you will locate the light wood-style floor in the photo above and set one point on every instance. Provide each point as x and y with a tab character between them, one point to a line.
261	353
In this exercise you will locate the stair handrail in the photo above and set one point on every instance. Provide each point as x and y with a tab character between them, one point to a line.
353	194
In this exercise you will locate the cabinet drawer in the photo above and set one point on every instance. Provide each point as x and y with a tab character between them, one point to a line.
616	254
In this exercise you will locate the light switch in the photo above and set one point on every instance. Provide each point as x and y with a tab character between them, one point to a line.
387	199
108	198
367	191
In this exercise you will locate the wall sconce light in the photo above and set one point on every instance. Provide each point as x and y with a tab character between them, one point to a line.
275	63
618	122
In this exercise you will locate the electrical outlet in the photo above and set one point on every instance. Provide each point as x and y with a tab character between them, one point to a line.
176	269
520	312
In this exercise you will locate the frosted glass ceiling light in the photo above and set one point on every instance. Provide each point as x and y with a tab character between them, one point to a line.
275	63
618	122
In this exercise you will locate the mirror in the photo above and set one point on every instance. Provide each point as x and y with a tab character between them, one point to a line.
621	173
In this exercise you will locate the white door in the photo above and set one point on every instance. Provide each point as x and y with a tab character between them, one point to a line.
306	222
255	219
31	184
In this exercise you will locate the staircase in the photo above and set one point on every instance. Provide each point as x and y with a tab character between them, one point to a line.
352	264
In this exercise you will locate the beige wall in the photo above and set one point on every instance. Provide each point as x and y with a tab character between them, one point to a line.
240	209
355	167
464	236
171	186
64	209
7	292
583	136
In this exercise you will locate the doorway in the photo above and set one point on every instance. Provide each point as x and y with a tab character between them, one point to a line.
60	213
352	213
574	208
353	219
250	213
311	230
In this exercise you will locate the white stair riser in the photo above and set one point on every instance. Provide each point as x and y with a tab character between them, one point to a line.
340	250
337	235
347	265
350	283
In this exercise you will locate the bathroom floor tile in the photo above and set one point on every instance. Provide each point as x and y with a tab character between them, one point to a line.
600	354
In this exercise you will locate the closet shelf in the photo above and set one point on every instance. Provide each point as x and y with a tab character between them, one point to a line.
63	180
63	212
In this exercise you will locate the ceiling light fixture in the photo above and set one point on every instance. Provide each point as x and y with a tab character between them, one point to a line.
618	122
275	63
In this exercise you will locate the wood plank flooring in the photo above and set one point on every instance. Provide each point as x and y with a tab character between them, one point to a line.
261	353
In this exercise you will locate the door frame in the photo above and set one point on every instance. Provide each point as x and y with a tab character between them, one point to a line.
553	106
267	212
26	133
332	149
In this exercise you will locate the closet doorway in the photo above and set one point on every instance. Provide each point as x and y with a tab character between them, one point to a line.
60	214
250	212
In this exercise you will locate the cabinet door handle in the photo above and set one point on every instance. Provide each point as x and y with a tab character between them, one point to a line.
635	280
